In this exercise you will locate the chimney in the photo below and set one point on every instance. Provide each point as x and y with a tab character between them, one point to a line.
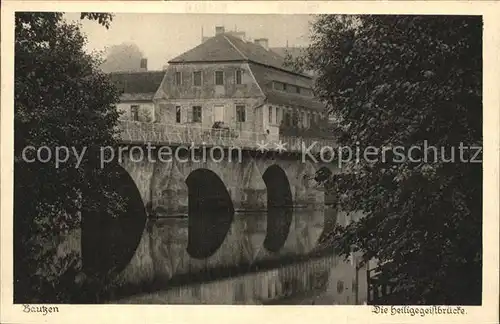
144	64
264	42
219	30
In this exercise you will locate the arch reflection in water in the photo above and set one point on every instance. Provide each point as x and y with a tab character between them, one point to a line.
278	227
109	242
279	208
210	212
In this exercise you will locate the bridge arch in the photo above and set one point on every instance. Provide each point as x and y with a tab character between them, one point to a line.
109	242
279	208
210	213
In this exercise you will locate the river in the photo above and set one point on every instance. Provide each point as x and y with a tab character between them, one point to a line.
246	258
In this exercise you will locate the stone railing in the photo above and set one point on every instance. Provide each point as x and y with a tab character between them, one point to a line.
139	133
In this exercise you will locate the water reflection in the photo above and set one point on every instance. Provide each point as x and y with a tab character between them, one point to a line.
163	250
278	228
312	281
210	213
279	202
109	242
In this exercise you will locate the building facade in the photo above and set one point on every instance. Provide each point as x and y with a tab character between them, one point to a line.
239	85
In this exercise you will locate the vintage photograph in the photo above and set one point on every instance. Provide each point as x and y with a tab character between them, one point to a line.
248	159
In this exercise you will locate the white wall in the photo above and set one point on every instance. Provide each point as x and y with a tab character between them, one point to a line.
146	111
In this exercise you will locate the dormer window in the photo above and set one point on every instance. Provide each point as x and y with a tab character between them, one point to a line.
278	86
307	92
219	78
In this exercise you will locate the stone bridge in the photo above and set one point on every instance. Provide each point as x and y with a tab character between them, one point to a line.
237	165
210	216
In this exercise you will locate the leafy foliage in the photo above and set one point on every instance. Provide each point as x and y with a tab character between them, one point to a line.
103	19
62	100
400	81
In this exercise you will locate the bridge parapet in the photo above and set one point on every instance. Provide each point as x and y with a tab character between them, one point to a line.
172	134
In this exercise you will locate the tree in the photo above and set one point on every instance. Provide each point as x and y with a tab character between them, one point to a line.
122	57
398	82
62	100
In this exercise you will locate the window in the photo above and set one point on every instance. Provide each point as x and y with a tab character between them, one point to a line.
238	76
278	86
218	113
240	113
197	78
134	111
276	110
298	115
219	78
178	114
178	78
270	111
286	117
284	86
196	114
297	90
311	122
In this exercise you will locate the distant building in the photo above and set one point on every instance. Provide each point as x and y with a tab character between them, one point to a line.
144	65
242	85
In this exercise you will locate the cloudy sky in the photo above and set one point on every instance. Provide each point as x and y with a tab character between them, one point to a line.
164	36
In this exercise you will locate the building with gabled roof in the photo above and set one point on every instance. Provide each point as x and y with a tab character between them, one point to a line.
241	84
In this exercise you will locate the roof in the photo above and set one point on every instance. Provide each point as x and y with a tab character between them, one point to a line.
226	47
265	76
214	49
137	85
293	51
294	100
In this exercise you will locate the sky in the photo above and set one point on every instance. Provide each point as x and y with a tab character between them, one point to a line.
162	37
